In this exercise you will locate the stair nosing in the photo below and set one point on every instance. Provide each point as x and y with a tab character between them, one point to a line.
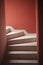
22	52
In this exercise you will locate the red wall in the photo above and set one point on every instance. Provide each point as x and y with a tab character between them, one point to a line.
21	14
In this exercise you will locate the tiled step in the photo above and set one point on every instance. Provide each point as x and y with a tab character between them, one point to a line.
23	55
15	34
23	62
23	39
23	47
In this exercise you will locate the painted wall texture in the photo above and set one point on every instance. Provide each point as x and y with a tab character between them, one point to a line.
21	14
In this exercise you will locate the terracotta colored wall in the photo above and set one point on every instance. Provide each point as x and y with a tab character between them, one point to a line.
21	14
2	30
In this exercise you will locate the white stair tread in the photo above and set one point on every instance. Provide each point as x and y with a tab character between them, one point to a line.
24	37
15	34
25	44
22	52
23	61
25	32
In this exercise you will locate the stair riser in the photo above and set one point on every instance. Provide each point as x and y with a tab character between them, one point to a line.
22	48
22	41
22	56
15	35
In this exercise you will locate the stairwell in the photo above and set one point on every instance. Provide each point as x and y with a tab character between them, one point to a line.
22	47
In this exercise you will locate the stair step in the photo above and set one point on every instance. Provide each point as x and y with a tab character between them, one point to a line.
13	30
30	55
23	55
23	30
15	34
23	62
25	44
23	39
23	47
22	52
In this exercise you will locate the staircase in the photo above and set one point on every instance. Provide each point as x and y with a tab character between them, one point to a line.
22	47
